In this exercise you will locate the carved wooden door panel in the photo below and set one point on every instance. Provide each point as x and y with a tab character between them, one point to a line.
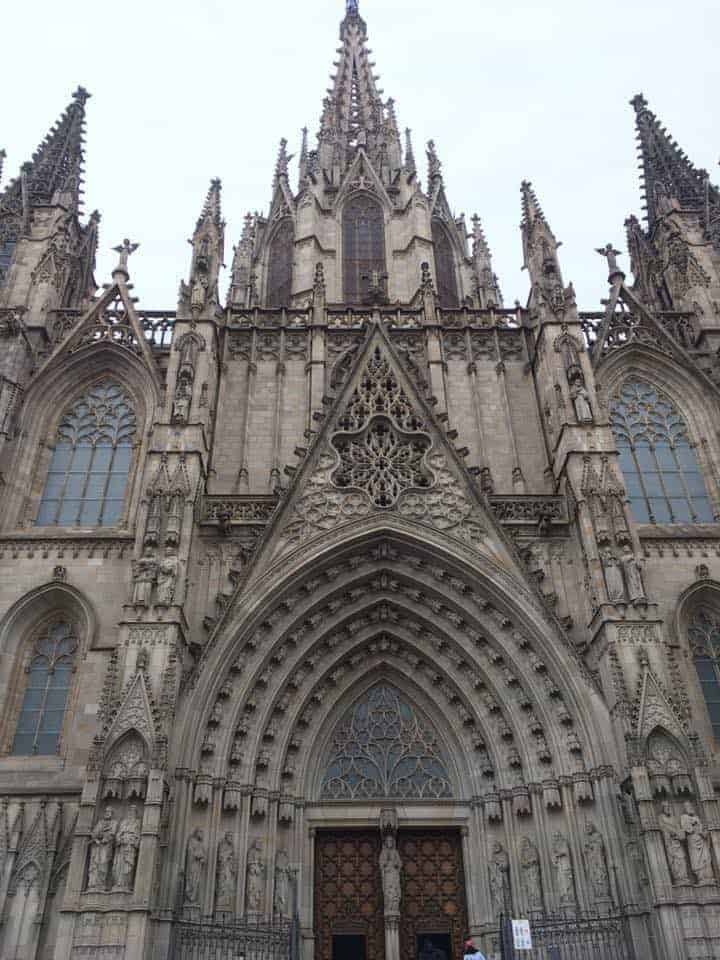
433	912
348	892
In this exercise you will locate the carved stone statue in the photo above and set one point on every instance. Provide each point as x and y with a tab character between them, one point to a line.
182	401
581	403
102	843
255	890
532	878
596	863
127	844
281	900
226	875
698	846
199	292
167	575
613	578
499	870
144	574
194	867
390	870
633	575
673	837
562	861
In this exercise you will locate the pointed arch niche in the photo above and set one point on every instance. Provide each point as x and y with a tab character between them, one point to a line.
445	266
697	625
280	265
384	748
363	227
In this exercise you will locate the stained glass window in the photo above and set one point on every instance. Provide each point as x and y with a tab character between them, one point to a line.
382	748
49	674
704	634
91	460
282	251
363	248
661	471
444	267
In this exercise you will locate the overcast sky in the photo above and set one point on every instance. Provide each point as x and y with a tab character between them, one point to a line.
185	90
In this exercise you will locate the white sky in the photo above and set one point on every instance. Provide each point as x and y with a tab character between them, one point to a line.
187	90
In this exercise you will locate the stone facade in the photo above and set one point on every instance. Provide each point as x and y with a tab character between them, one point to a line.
361	489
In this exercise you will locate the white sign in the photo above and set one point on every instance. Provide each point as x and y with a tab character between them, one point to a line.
521	935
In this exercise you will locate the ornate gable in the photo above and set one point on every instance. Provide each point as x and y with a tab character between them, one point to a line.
382	451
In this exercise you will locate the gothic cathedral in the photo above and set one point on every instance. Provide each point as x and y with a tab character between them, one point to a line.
344	619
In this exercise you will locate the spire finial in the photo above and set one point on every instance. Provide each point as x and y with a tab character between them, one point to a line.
434	164
352	8
409	153
125	250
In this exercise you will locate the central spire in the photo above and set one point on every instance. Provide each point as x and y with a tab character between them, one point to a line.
354	115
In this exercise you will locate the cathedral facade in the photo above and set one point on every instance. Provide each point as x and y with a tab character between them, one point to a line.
359	610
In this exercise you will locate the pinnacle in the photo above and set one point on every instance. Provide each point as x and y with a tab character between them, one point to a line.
532	211
667	172
409	154
480	244
56	168
434	164
211	210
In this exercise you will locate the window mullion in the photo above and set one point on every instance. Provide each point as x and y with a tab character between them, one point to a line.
641	480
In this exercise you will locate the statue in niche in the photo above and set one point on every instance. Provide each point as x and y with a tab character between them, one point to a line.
127	844
581	403
532	877
633	575
255	891
166	577
144	574
194	867
102	843
226	875
596	863
199	293
182	400
562	861
499	868
613	578
390	871
281	902
698	845
570	356
673	838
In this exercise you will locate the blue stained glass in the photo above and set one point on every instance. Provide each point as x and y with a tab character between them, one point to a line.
661	471
95	442
45	699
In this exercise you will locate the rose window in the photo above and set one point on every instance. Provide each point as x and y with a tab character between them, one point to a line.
382	461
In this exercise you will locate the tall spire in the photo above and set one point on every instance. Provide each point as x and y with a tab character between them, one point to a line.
488	286
55	173
540	255
354	114
668	174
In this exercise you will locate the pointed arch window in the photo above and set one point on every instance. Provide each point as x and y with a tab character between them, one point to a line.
49	675
445	267
704	636
382	748
364	269
658	460
280	264
90	464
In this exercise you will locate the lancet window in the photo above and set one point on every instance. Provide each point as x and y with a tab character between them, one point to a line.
704	636
364	273
7	254
90	463
657	457
445	267
49	675
280	264
382	748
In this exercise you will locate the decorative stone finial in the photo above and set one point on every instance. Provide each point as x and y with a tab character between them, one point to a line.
125	250
611	255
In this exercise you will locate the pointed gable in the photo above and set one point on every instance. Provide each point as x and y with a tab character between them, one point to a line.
382	451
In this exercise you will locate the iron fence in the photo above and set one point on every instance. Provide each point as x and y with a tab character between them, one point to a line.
572	935
246	939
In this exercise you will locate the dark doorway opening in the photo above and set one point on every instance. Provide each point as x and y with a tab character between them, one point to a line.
433	946
348	946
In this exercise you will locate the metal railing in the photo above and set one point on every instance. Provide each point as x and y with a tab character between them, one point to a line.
245	939
573	935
